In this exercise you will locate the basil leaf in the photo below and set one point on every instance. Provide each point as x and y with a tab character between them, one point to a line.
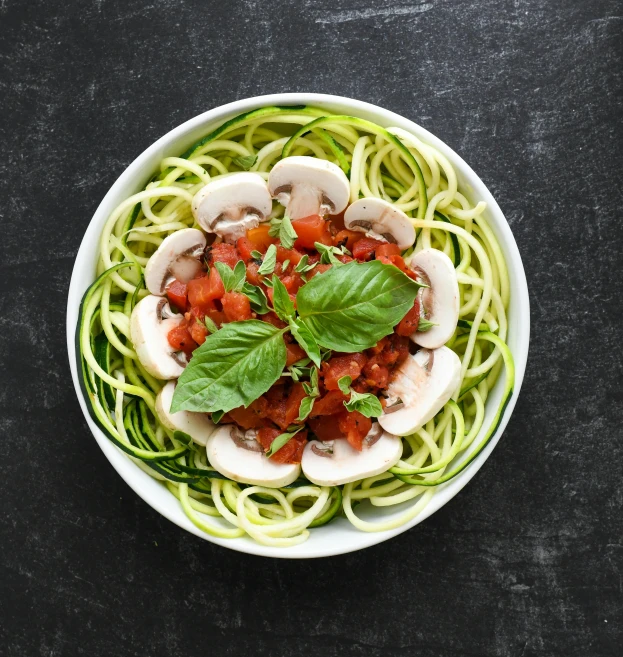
312	388
424	325
210	324
256	255
305	339
281	440
327	254
344	384
303	267
350	308
365	403
284	265
217	416
233	280
269	261
282	228
232	368
259	302
245	162
305	408
281	300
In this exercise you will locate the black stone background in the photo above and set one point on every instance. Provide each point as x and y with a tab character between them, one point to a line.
526	561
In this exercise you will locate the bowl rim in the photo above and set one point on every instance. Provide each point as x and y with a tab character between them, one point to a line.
136	172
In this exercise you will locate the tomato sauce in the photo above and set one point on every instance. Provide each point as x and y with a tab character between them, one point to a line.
370	371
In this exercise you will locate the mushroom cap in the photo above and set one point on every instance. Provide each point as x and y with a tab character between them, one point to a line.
176	257
423	393
441	299
231	205
378	218
197	425
150	324
347	464
308	185
244	465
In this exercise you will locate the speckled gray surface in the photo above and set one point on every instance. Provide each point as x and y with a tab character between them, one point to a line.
526	561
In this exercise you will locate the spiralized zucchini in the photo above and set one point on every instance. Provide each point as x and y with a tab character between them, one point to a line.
391	164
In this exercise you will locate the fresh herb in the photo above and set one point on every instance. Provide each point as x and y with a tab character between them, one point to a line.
312	388
269	261
350	308
233	280
257	298
344	384
284	265
256	255
365	403
281	300
232	368
328	253
281	440
282	228
303	267
305	340
217	416
245	162
305	408
424	325
210	324
299	369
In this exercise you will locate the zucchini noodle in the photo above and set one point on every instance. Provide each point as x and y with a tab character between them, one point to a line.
391	164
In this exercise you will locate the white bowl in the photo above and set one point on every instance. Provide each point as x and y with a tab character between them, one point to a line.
338	536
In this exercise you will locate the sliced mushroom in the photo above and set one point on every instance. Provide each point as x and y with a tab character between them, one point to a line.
176	258
422	386
439	303
336	462
236	455
197	425
232	205
379	219
308	185
150	324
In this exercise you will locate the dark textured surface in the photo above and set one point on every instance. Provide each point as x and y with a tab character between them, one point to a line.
526	561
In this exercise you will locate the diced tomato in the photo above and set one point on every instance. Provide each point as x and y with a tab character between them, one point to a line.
379	346
409	323
266	435
177	293
198	332
292	282
252	276
311	229
387	250
271	318
376	375
294	353
277	399
180	339
326	427
292	255
355	427
236	306
332	402
217	316
344	258
339	366
260	238
318	269
347	238
365	248
245	246
202	291
396	350
395	260
251	417
291	452
294	401
222	252
337	221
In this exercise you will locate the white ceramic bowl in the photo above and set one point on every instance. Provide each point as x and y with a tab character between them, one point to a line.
339	536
